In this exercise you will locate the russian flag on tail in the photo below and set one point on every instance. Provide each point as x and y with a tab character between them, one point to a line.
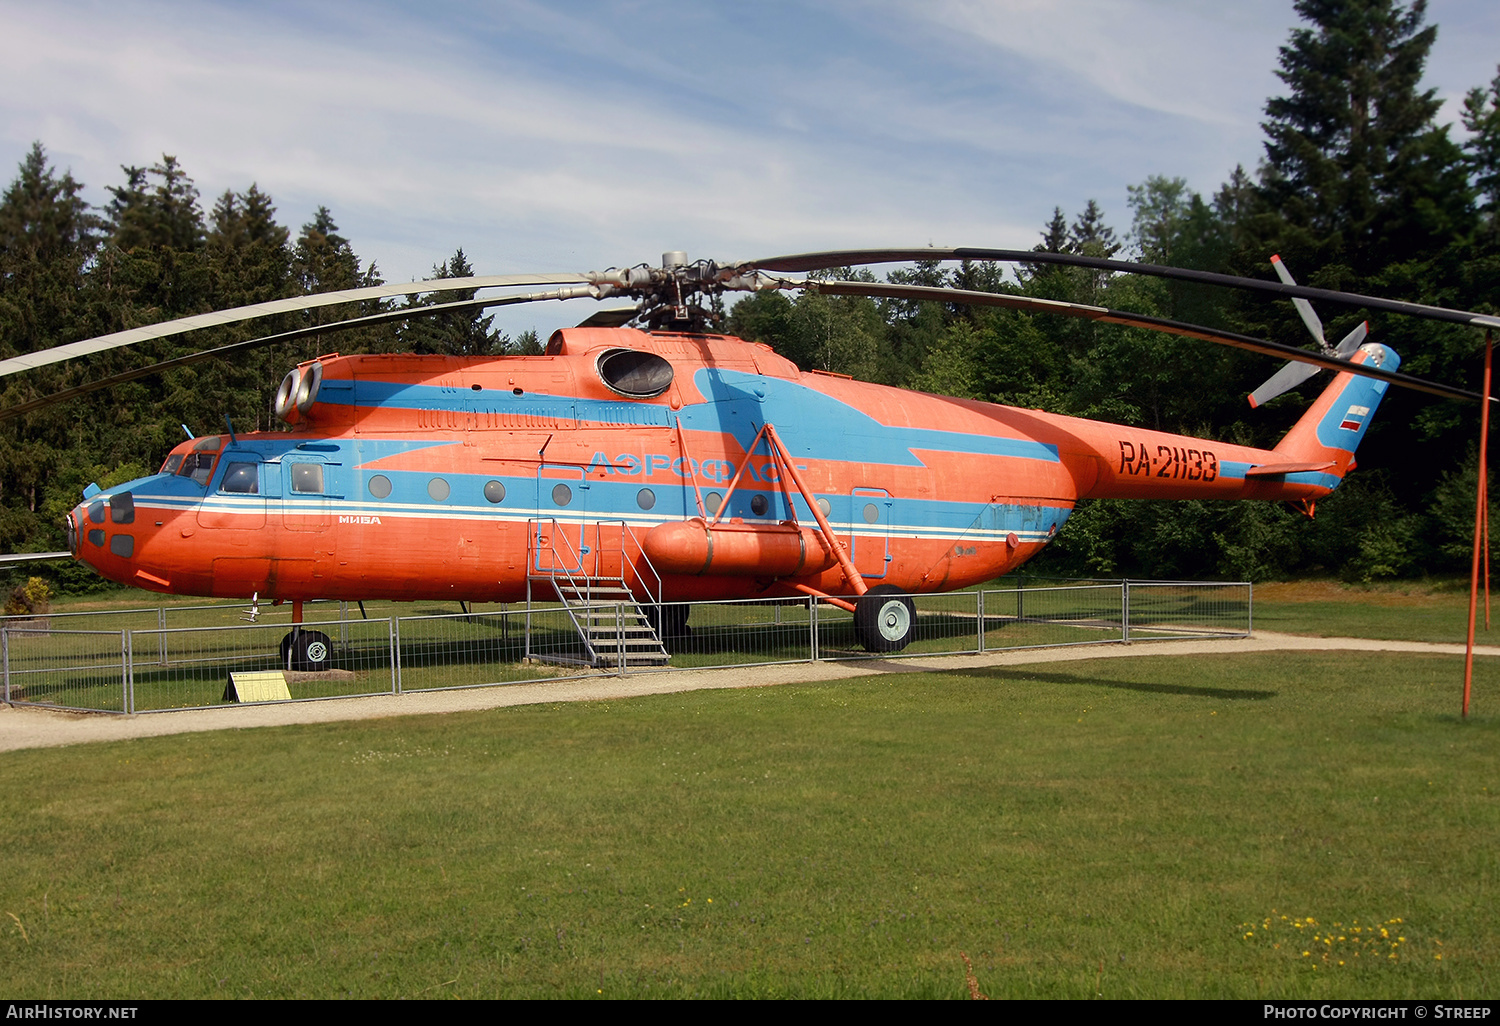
1354	418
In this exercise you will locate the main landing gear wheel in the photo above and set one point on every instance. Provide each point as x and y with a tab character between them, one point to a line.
883	619
306	651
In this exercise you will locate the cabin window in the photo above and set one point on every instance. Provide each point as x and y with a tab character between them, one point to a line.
173	462
241	477
759	504
712	501
96	536
633	373
823	505
307	478
122	545
872	514
438	489
199	466
561	495
380	486
122	508
645	498
96	511
494	491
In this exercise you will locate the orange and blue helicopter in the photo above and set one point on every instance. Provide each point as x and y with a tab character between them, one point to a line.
669	464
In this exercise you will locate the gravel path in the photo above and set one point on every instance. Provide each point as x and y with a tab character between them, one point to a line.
40	728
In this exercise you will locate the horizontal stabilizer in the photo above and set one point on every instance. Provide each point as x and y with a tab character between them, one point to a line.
1277	469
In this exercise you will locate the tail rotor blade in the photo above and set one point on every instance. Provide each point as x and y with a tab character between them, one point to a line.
1289	377
1309	315
1352	340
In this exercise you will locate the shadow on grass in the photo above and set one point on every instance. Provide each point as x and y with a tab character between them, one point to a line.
1020	675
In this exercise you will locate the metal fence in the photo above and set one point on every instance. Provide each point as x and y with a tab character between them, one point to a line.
182	657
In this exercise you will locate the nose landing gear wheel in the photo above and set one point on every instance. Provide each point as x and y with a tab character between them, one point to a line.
883	619
306	651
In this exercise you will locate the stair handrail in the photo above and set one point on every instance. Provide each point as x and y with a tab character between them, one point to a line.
652	595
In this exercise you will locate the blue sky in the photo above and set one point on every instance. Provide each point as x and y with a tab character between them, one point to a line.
543	137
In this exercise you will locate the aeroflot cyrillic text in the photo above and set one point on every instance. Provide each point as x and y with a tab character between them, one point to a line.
653	464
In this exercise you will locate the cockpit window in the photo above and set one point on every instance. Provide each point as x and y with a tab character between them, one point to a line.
307	478
173	462
241	477
199	466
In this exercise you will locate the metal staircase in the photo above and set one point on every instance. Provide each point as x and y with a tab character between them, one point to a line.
592	587
614	628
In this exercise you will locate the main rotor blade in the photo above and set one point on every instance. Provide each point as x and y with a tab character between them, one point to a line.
849	257
610	318
406	313
1099	313
1309	315
276	306
34	557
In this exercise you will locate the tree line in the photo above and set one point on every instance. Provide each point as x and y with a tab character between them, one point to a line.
1359	190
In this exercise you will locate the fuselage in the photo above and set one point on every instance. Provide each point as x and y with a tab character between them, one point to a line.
421	477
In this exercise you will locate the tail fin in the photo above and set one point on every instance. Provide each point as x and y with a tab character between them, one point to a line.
1322	443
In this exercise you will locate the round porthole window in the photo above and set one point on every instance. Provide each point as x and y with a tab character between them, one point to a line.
823	505
561	495
645	498
494	491
759	504
633	373
871	513
712	501
380	486
438	489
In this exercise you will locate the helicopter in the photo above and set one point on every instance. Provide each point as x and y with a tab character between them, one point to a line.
648	460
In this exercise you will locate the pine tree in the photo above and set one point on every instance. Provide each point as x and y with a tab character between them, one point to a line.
1356	173
48	238
155	257
1482	150
456	333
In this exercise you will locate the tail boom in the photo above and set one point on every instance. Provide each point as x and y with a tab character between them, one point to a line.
1308	463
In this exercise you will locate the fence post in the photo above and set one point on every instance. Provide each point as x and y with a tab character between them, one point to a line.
161	633
812	628
1249	608
1125	611
620	639
125	671
980	607
5	659
395	639
1021	600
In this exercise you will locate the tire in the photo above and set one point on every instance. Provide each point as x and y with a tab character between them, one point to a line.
307	651
884	618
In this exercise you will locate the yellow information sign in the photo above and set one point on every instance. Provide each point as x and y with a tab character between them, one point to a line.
257	686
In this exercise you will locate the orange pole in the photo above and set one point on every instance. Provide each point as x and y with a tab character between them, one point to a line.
1481	498
851	575
735	481
1484	489
688	464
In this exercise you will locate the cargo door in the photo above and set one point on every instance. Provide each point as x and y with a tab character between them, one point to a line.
559	543
870	531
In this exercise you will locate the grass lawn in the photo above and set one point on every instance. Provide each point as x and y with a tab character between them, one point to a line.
1121	828
1404	611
